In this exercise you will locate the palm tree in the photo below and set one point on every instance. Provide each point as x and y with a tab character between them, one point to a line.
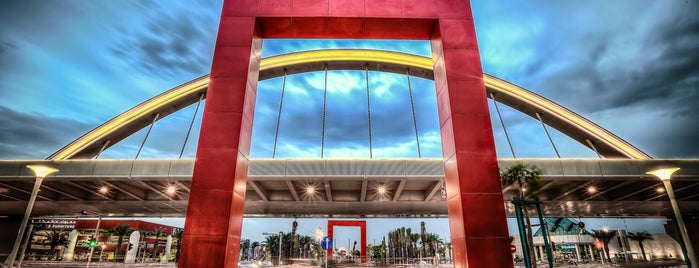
273	244
54	238
528	182
423	237
409	243
605	236
159	231
244	247
308	243
178	234
430	240
121	231
294	238
640	237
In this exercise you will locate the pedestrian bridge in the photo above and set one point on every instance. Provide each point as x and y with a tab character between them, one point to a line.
615	185
342	187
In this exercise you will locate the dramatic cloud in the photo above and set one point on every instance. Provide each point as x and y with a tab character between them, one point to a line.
33	136
170	43
87	62
604	65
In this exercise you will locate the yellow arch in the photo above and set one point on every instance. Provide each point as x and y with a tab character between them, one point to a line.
568	122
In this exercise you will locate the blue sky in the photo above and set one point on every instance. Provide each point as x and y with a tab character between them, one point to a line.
628	65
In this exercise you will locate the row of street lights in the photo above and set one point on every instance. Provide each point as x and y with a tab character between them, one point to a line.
663	174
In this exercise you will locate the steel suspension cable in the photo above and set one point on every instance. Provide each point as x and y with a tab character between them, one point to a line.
368	106
563	170
279	116
548	135
191	123
147	134
507	136
412	107
104	147
599	163
325	101
143	143
593	147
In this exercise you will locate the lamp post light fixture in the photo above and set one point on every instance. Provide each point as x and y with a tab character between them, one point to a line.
664	174
95	236
40	172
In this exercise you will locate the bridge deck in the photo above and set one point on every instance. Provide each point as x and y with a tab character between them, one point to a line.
343	187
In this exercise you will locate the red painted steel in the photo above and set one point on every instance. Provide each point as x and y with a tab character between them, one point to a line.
215	208
362	231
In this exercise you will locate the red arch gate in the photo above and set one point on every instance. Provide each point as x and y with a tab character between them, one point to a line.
215	209
362	235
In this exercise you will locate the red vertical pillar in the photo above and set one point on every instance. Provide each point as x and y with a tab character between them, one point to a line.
364	241
329	253
215	210
474	194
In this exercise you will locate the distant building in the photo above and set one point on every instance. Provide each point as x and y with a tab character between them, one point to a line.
50	240
572	242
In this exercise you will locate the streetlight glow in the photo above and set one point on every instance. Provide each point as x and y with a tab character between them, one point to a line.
663	173
592	189
41	171
171	190
103	190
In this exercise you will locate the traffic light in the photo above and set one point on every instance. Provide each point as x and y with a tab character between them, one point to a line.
92	243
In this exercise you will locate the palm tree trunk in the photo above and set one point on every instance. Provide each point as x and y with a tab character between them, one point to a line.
177	253
643	251
118	248
529	233
530	236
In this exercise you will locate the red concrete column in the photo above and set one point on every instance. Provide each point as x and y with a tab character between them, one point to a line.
477	220
329	252
215	210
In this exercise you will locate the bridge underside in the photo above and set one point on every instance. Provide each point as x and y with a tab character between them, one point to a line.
342	188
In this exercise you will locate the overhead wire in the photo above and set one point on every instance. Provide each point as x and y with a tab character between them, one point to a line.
412	107
279	116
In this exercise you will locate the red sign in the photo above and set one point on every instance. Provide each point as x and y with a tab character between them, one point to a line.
598	244
513	249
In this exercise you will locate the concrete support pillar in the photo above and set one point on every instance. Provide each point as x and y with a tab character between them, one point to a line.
69	253
132	248
168	247
577	252
542	253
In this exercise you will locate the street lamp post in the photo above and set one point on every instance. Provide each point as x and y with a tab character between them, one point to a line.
281	234
92	249
41	172
664	175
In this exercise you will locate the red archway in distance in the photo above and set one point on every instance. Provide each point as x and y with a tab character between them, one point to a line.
362	234
474	196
